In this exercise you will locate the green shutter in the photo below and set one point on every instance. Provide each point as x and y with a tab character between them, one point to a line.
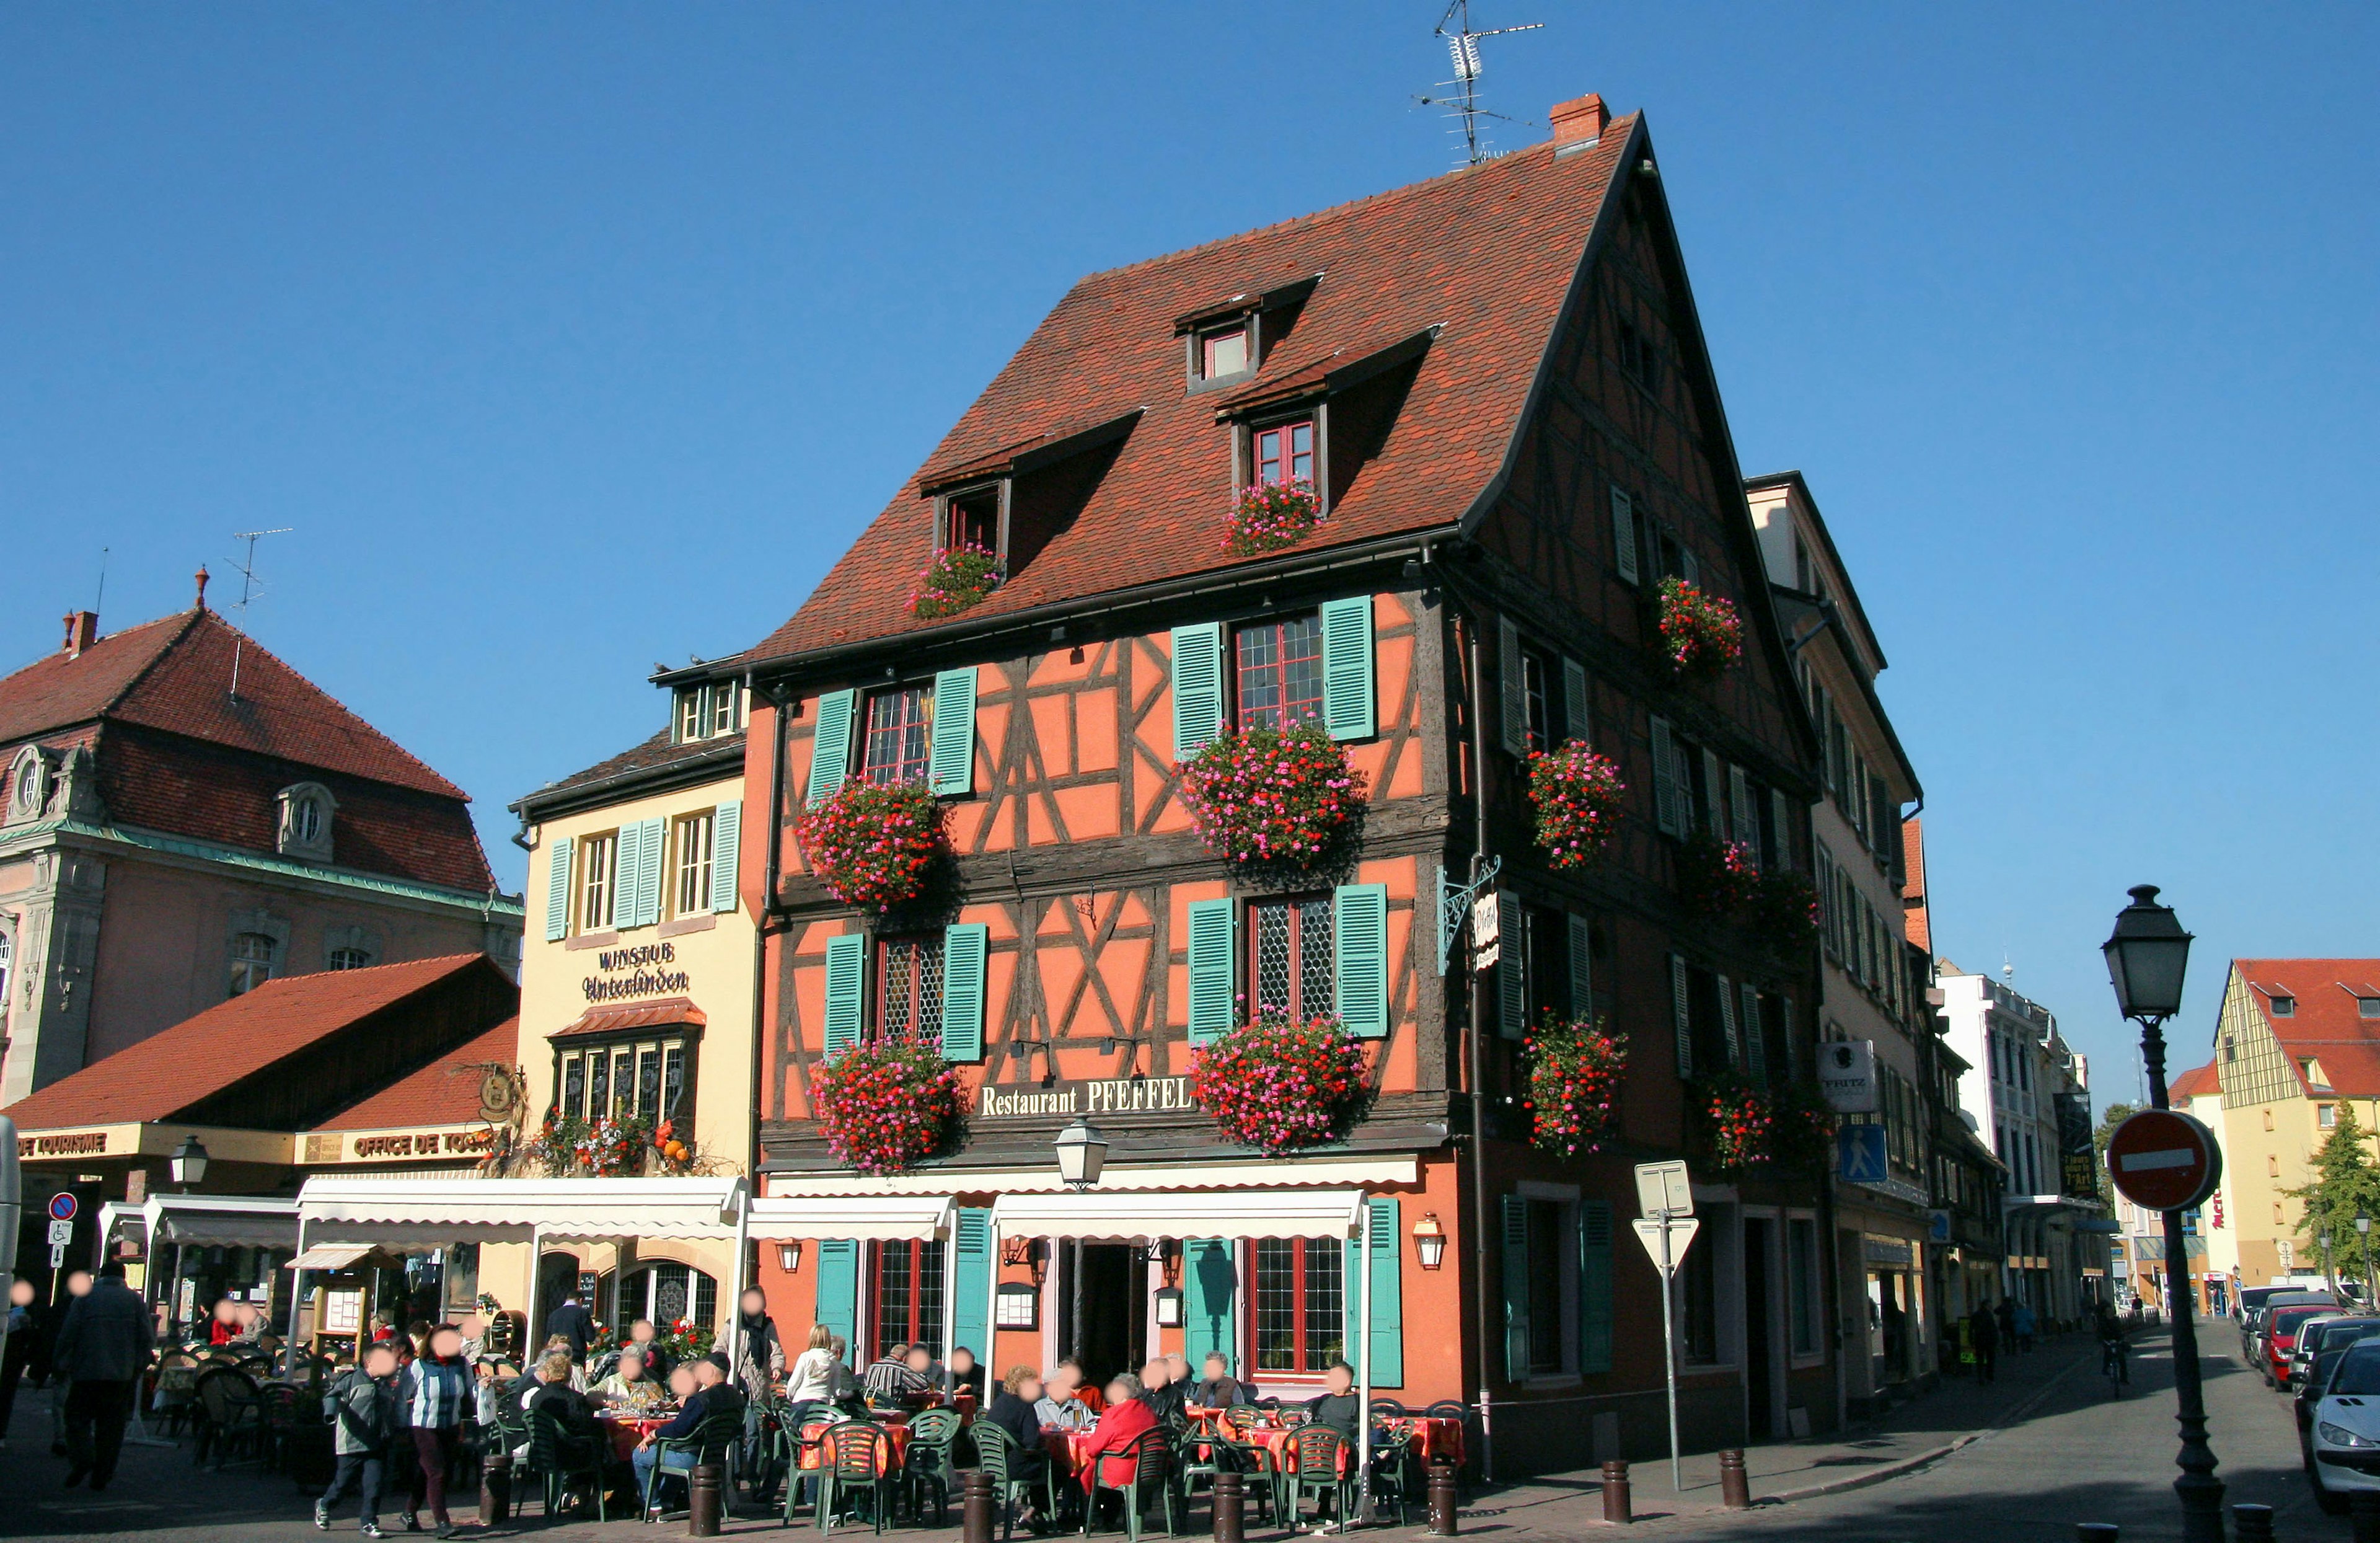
1359	915
1517	1289
1384	1282
1667	815
1681	1016
1197	687
1575	714
726	843
1727	1025
1347	702
831	751
953	757
1512	969
846	974
1213	977
838	1289
628	877
1582	968
1211	1279
557	888
964	947
972	1280
1756	1040
1512	688
1623	534
652	836
1594	1286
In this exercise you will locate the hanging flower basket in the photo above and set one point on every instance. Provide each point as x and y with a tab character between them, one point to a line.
873	845
1716	878
1280	1083
1577	794
1262	799
886	1105
1784	910
956	579
1575	1072
1787	1129
1270	516
1701	634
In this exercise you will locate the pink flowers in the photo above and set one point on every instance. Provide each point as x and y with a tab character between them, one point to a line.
1270	516
1701	634
1577	794
1575	1072
1280	1083
1744	1127
956	579
1265	798
1784	910
886	1105
873	845
1716	878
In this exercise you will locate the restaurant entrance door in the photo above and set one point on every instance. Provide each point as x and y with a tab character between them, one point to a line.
1102	1306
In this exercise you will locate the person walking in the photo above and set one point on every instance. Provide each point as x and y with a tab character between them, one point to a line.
363	1435
18	1355
102	1346
570	1321
2024	1324
759	1369
1983	1333
432	1395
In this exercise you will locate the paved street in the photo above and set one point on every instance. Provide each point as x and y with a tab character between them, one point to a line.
2038	1451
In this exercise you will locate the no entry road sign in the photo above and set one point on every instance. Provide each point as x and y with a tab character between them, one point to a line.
2162	1160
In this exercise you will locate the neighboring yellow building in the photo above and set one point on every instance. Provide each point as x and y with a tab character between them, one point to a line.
637	985
2199	1094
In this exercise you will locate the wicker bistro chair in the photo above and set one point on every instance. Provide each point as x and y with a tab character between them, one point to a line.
230	1415
1150	1457
932	1462
998	1455
277	1418
713	1440
855	1456
558	1454
1321	1471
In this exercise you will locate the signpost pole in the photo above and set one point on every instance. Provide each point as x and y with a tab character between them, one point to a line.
1670	1349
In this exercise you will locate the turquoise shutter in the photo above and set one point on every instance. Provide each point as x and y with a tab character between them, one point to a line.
972	1280
1594	1286
838	1290
963	948
1211	1279
1359	915
1517	1289
1681	1016
1213	977
1727	1025
1755	1041
655	836
726	843
1512	688
1384	1283
1623	534
1667	815
628	877
1512	969
1197	687
557	888
846	977
1575	723
1347	698
952	766
1582	968
830	751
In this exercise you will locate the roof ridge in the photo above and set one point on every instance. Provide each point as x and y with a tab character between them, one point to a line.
54	658
189	619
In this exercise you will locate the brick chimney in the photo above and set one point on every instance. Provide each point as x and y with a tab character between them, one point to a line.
82	631
1580	122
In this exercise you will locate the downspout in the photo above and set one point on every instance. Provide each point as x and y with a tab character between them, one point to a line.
1474	1066
769	870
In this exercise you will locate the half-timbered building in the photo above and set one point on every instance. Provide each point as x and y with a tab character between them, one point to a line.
1496	385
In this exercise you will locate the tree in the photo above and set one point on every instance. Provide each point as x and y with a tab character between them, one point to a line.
2116	1114
2345	1183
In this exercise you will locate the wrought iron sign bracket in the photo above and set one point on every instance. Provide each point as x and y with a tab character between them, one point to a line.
1455	906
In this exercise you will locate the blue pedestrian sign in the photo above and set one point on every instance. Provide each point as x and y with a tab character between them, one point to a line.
62	1208
1860	1152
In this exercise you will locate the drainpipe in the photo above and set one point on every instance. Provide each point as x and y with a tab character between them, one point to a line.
770	869
1475	1067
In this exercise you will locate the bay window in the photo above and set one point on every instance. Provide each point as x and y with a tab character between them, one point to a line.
643	1080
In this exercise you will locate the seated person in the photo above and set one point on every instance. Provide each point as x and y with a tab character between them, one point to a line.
888	1379
927	1371
1160	1393
706	1382
657	1360
1220	1390
555	1397
1058	1408
1013	1409
966	1376
1129	1416
631	1385
1337	1408
1088	1396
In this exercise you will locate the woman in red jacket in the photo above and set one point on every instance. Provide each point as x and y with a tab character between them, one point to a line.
1128	1416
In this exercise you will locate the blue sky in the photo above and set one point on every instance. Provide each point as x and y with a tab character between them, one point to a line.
572	339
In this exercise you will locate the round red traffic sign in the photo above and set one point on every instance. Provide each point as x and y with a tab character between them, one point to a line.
2162	1160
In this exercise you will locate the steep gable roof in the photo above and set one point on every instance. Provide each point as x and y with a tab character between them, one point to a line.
2199	1082
1481	260
2327	1026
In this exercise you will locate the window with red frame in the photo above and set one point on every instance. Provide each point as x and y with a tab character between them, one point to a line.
909	989
1284	453
1278	673
1290	963
1300	1316
909	1295
1223	352
973	520
900	736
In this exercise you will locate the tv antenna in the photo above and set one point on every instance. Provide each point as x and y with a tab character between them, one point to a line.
250	588
1462	46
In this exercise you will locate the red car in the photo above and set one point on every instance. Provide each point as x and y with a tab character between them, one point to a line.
2281	1339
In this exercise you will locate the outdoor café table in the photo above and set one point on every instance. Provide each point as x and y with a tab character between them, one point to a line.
628	1430
896	1435
1280	1443
1430	1440
1071	1450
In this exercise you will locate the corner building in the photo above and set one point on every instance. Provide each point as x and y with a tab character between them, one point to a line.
1496	384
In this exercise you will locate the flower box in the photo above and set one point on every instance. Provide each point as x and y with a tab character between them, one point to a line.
1577	794
1716	878
1279	1083
1701	634
1268	516
1575	1072
1784	911
1269	800
568	1147
956	579
1787	1129
873	845
886	1105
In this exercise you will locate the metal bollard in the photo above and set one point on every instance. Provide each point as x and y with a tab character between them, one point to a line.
495	1491
2363	1507
1445	1516
1230	1507
704	1500
2252	1524
2094	1531
1616	1506
975	1506
1734	1485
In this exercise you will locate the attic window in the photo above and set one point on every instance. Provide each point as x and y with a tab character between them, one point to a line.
708	711
2284	1006
2367	1007
1223	351
1639	361
304	825
972	519
2314	1075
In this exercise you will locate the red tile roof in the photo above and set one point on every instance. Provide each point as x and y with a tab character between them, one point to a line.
1916	913
2199	1082
2329	1025
1487	255
445	1092
660	1012
200	1056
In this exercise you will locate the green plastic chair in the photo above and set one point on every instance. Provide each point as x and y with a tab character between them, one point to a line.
558	1454
1320	1451
1150	1454
856	1456
998	1456
931	1465
1229	1451
713	1440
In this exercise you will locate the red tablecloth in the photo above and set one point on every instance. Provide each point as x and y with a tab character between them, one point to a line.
628	1431
1431	1439
896	1436
1281	1446
1071	1450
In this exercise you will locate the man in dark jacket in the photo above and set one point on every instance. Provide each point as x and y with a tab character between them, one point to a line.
573	1323
1338	1408
363	1404
102	1346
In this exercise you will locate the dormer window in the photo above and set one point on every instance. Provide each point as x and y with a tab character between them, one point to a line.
305	829
2284	1006
710	712
1223	352
972	519
1284	453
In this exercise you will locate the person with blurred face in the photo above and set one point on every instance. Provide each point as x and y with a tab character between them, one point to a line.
435	1392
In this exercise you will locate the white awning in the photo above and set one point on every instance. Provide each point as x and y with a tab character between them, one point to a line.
1099	1216
209	1221
876	1218
1335	1172
331	1256
437	1212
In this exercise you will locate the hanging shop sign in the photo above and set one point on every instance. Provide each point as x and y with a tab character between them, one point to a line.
1847	1075
1105	1096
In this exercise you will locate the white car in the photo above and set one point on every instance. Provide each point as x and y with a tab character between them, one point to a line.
2345	1453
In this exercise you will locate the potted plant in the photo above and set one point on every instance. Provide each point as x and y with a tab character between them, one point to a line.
1267	517
1701	634
1784	910
956	578
872	845
1577	794
1715	877
1575	1065
1280	1083
1786	1128
1263	798
886	1105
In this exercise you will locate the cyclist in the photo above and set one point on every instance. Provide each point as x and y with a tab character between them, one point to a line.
2113	1363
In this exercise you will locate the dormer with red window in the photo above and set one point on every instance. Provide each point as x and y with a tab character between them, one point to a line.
1227	340
1320	422
1013	500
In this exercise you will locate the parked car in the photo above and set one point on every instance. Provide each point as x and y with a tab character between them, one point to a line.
2345	1454
2260	1351
2310	1338
2281	1326
2251	1307
2333	1339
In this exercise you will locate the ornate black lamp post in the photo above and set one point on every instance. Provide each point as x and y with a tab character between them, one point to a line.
2146	956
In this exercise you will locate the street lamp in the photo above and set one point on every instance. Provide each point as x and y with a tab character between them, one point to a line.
1429	1240
188	1162
2363	1233
2146	955
1082	1152
2329	1275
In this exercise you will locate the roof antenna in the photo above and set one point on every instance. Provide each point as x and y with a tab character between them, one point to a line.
97	605
1462	45
250	588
